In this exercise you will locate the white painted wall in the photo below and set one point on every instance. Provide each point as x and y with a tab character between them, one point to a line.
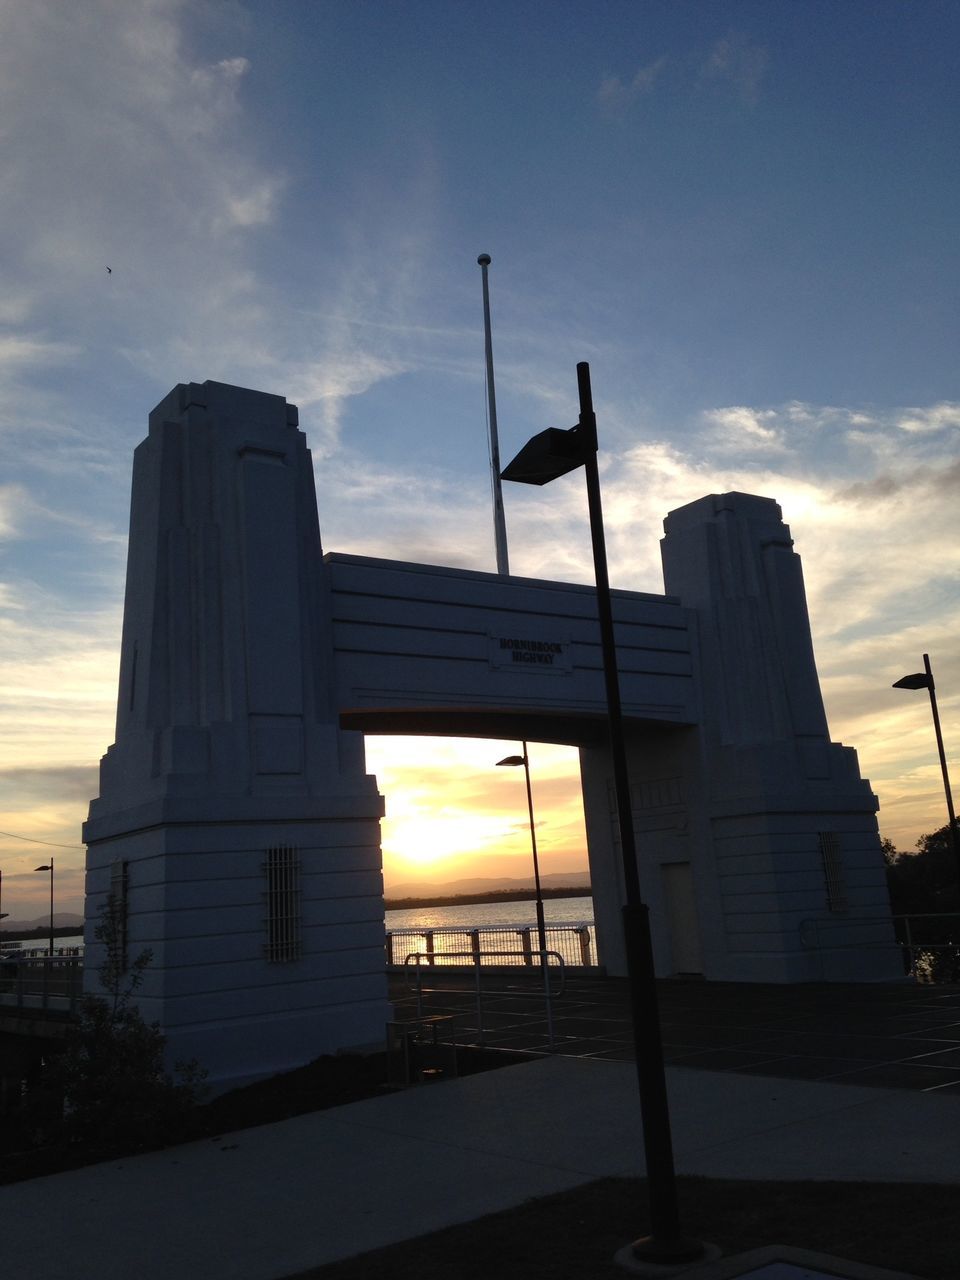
228	745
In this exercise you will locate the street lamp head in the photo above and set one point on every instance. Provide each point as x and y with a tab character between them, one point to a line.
512	760
919	680
47	867
547	456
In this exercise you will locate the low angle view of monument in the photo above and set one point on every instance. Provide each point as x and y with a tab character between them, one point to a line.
236	826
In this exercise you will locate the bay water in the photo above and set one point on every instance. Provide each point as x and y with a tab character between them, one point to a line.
487	914
457	915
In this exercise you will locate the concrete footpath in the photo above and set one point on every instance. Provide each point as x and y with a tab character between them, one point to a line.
268	1202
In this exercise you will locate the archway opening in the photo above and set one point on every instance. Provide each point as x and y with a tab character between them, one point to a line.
457	828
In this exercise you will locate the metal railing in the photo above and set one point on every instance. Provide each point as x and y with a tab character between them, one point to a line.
31	947
497	944
44	984
929	942
423	962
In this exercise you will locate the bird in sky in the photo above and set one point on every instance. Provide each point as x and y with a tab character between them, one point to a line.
109	271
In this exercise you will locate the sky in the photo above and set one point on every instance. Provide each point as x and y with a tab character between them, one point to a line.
743	215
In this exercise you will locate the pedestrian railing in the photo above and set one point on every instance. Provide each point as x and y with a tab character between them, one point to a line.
928	942
551	965
34	949
45	984
931	941
453	946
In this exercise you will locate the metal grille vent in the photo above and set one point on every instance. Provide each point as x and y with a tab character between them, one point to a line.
833	870
282	870
119	911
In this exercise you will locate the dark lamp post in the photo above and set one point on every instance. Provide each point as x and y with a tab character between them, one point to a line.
924	680
541	925
48	866
548	455
3	914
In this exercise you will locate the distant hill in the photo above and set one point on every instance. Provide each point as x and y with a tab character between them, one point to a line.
61	920
485	884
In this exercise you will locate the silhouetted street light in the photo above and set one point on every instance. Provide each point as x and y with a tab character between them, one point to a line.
545	457
48	866
541	926
3	914
924	680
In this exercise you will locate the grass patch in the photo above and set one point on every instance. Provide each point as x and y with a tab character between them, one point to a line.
574	1235
32	1144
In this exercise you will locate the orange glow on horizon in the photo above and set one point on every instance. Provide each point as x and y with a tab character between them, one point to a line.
452	813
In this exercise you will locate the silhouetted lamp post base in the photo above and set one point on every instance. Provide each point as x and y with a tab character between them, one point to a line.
545	457
631	1258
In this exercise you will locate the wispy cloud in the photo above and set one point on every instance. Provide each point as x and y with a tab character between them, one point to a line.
618	95
18	351
740	428
138	161
736	61
939	417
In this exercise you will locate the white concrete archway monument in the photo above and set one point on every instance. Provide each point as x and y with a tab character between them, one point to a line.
236	818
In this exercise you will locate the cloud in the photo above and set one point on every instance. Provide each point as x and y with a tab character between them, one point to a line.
428	517
137	135
58	681
483	809
939	417
74	782
20	350
618	95
233	68
737	62
13	500
918	481
138	161
739	428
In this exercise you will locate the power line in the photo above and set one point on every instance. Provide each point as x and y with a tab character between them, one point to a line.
13	836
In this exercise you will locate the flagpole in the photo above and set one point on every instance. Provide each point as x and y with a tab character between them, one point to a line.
499	522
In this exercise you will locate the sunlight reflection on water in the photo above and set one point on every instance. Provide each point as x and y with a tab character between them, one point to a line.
479	914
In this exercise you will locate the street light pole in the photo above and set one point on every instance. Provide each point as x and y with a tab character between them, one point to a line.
924	680
541	923
547	456
48	866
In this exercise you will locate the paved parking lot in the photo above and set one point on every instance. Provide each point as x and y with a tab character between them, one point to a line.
895	1035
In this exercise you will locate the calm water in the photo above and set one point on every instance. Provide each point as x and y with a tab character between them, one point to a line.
517	914
478	914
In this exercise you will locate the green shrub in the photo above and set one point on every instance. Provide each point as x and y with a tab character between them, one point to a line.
116	1091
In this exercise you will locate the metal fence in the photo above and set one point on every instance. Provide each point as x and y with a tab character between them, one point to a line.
928	942
931	942
492	945
32	948
420	971
41	983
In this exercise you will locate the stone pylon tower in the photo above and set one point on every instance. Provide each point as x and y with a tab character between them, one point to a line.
796	863
236	826
757	837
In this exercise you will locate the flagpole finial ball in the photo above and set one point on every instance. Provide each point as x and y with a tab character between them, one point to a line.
484	260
